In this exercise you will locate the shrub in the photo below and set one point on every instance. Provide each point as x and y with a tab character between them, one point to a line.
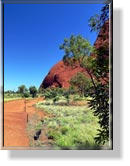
81	83
26	95
33	91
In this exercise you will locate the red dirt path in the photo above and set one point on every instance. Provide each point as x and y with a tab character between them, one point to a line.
15	121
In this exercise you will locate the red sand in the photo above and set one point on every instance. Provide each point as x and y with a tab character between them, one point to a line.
15	121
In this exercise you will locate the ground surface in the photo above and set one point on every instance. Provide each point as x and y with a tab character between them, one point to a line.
16	115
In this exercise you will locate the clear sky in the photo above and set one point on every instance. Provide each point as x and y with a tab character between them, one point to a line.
32	35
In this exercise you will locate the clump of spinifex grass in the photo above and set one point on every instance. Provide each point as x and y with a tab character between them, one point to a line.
70	127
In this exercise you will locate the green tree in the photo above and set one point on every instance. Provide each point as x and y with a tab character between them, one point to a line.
81	83
33	91
100	104
75	48
97	21
22	89
78	50
100	100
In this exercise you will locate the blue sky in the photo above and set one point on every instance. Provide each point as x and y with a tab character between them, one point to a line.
32	35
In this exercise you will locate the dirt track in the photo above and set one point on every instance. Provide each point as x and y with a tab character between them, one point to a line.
16	114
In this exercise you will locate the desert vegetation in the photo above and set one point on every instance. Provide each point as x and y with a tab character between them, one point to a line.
70	126
77	117
22	92
95	60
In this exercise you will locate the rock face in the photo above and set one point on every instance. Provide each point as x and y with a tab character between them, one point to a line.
60	74
103	38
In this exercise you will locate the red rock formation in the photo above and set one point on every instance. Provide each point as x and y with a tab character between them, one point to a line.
60	74
103	36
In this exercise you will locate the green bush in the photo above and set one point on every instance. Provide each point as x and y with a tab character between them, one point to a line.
26	95
33	91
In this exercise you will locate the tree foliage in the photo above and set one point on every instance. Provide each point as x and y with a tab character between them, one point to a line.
78	50
22	89
100	101
26	95
97	21
81	83
53	93
100	104
75	48
56	93
33	91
